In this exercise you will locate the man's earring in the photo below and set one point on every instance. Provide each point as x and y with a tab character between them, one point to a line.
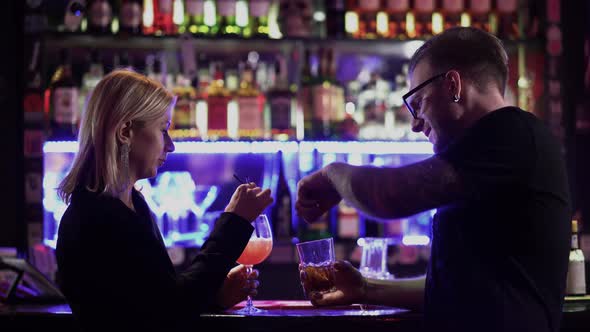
456	98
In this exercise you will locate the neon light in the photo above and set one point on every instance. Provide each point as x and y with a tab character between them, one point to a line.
373	147
415	240
376	148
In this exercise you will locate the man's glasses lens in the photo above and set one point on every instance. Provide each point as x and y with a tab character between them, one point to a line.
407	97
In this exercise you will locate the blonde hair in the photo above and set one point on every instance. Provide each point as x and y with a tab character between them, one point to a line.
121	97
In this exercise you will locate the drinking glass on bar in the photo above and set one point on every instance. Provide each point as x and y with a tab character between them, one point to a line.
256	251
316	260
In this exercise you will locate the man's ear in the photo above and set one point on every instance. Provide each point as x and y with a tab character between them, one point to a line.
125	133
454	79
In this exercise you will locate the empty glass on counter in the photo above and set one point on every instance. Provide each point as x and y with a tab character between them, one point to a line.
316	260
374	258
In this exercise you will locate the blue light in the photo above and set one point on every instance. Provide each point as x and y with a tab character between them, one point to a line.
373	147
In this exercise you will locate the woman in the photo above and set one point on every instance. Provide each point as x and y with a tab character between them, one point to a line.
113	266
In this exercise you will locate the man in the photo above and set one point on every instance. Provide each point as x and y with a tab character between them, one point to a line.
500	235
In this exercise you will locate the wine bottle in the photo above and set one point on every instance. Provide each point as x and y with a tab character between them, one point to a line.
576	277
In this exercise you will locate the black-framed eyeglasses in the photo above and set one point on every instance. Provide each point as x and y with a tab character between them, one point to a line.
414	90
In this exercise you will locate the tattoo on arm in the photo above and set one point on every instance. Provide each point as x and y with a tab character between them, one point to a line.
398	192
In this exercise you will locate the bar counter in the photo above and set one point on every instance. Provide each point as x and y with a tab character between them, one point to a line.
279	316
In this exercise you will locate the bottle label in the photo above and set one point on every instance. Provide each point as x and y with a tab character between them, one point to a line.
574	241
101	14
259	8
194	7
250	111
369	4
480	6
131	15
506	6
280	112
576	278
453	6
33	103
284	216
424	6
217	116
184	114
227	7
165	6
322	101
65	104
398	6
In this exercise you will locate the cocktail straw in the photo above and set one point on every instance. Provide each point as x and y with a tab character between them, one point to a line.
255	223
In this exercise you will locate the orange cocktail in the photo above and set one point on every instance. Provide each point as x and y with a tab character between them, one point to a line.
256	251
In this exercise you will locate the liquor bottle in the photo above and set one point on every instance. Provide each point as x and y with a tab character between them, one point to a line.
423	10
367	10
250	106
480	14
452	11
397	11
194	21
258	26
33	96
315	97
63	102
226	16
281	99
130	17
35	17
123	61
218	97
337	102
335	12
147	16
351	19
90	79
282	210
576	278
507	14
100	16
163	19
348	222
73	16
185	116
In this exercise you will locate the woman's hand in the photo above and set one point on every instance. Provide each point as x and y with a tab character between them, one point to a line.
349	283
248	201
237	286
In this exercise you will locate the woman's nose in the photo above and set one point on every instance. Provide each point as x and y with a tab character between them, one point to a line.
169	145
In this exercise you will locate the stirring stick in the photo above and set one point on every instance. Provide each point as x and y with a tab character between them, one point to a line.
255	224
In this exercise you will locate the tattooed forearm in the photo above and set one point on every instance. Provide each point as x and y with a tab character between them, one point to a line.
396	192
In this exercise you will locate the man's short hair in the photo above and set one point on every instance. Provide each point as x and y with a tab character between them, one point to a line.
476	54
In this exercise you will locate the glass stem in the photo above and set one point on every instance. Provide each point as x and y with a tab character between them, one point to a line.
249	305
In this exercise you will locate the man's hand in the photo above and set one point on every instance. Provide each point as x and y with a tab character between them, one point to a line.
349	283
315	195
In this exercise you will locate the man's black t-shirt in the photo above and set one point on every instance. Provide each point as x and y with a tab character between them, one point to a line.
499	256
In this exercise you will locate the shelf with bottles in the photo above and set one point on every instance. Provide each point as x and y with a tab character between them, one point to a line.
388	47
227	24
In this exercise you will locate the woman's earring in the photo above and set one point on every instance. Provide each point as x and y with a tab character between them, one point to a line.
125	162
456	98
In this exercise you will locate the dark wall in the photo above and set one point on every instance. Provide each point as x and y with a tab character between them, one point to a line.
12	228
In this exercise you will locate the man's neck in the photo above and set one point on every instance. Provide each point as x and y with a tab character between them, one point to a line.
482	104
